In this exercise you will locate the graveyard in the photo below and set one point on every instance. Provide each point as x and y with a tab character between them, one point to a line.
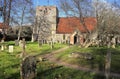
60	39
92	58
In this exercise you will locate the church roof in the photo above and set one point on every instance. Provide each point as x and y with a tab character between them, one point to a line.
2	25
68	25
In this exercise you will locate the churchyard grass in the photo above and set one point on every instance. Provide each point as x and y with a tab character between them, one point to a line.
47	70
98	61
10	62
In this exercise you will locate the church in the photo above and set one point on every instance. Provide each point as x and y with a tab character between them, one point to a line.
64	29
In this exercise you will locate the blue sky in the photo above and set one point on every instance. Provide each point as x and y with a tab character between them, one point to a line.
44	2
54	2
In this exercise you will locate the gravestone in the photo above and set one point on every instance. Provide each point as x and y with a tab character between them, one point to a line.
28	68
21	43
40	42
16	42
11	49
2	47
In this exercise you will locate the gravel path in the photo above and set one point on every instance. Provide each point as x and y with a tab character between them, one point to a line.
50	57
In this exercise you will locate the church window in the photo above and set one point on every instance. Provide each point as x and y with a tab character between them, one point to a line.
63	36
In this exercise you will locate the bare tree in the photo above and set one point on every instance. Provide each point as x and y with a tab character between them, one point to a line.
108	17
43	28
5	9
22	14
45	22
80	9
107	27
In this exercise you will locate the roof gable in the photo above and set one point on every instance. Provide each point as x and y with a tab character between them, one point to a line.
5	26
70	24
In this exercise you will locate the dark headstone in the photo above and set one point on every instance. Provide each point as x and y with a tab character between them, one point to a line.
40	42
16	42
28	68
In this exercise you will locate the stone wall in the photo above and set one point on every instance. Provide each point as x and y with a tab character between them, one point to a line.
49	12
62	38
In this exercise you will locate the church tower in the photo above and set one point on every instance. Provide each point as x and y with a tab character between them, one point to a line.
51	14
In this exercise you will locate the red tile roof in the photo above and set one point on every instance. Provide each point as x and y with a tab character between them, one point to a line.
2	25
69	25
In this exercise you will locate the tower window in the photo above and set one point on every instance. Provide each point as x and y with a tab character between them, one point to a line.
40	10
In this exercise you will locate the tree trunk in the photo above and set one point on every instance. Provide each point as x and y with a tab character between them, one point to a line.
23	48
9	11
32	40
19	33
22	18
108	62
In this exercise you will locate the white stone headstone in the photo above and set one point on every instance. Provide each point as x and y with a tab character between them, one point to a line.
11	48
2	47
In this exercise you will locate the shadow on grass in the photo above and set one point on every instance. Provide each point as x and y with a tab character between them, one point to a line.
4	74
99	58
99	77
46	72
13	76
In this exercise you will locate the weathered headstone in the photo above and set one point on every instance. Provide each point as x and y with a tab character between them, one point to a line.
16	42
21	43
11	48
40	42
28	68
2	47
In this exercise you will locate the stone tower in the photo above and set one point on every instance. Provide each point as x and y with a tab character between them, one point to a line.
50	13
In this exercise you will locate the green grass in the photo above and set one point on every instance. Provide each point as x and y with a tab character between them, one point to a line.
98	61
33	48
10	62
48	70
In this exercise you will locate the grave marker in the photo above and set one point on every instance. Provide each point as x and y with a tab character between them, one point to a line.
11	49
28	68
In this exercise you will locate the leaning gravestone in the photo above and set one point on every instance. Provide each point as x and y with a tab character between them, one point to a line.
28	68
